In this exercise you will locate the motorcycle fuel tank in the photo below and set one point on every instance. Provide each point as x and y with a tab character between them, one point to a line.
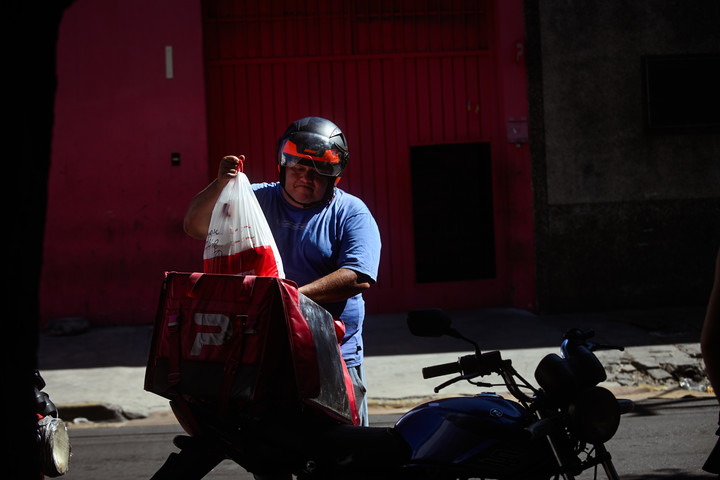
484	433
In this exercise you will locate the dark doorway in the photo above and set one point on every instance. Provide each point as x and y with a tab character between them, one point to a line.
452	212
681	93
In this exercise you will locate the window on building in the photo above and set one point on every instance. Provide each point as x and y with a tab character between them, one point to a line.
682	92
453	212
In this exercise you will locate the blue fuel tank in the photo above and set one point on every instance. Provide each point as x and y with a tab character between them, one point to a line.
483	435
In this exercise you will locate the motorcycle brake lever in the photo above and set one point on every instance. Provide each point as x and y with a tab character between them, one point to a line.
455	380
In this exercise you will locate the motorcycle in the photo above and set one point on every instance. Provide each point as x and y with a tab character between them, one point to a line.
556	430
53	449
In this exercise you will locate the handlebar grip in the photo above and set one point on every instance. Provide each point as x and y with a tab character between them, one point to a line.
442	369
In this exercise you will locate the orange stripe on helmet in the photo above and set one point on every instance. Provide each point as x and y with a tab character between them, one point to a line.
329	156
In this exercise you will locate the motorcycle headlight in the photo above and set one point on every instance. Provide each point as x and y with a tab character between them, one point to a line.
587	368
595	415
555	376
53	446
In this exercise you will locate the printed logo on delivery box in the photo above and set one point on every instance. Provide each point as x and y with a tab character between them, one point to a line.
213	330
217	336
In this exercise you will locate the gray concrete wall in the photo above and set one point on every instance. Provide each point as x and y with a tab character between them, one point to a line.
624	218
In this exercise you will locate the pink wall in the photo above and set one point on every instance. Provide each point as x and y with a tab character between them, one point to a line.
114	220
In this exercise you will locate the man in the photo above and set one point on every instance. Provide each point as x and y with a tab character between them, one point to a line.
327	239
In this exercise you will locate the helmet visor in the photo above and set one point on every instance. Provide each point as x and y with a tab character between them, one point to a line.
312	150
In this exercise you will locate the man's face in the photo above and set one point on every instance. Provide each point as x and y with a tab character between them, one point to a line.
304	184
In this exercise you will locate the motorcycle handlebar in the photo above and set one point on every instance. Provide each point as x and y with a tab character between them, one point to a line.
477	364
440	370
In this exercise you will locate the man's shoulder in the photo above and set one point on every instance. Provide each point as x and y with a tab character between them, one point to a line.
265	186
265	190
348	206
349	201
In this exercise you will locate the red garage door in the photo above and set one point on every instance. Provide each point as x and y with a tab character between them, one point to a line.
431	97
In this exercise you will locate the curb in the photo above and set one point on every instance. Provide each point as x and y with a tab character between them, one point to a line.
84	413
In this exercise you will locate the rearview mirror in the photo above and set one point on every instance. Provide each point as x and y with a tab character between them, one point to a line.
431	322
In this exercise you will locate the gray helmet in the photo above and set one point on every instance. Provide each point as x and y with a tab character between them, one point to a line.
317	143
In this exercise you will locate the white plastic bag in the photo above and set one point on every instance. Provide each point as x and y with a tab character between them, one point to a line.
239	239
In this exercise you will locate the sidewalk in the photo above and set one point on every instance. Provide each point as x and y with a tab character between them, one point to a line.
98	374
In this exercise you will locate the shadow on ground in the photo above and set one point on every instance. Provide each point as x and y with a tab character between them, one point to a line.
387	334
507	328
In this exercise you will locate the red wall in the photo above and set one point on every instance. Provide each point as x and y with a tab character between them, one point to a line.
115	208
116	203
392	75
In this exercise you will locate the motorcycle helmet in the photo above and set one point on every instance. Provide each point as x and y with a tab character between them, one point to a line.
317	143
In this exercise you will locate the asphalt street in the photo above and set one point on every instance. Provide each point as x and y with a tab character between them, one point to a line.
663	440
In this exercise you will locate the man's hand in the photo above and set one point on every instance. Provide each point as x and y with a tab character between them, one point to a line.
228	169
336	287
199	213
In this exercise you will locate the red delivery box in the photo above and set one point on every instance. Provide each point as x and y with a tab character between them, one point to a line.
248	343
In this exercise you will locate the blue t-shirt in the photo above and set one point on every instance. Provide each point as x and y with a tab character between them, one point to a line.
315	242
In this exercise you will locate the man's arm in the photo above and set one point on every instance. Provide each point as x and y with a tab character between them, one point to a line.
199	212
336	287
